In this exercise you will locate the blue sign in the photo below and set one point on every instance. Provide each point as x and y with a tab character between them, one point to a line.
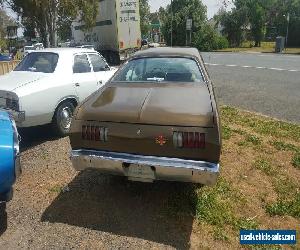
268	237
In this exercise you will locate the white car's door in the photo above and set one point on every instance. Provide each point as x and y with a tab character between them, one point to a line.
102	70
84	79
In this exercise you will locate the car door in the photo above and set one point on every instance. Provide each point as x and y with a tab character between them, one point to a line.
101	69
84	79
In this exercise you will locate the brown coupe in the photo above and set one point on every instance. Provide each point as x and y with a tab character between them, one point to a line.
156	119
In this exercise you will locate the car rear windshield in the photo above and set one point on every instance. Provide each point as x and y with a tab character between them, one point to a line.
44	62
160	69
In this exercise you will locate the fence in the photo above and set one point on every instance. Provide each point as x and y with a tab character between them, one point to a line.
6	67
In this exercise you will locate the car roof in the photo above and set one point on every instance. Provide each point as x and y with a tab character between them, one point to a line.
66	50
168	51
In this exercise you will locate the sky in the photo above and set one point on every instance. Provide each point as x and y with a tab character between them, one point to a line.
212	5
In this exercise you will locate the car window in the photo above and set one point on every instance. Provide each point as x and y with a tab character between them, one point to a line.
44	62
81	64
162	69
98	63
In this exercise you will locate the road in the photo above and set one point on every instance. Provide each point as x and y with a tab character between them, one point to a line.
264	83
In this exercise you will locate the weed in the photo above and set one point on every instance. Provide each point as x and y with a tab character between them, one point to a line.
246	223
285	188
226	132
285	207
264	166
296	161
213	205
219	234
55	189
253	139
282	146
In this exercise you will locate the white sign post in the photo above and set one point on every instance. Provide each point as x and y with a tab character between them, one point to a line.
189	26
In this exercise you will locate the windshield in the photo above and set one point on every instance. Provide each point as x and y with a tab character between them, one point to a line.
162	69
44	62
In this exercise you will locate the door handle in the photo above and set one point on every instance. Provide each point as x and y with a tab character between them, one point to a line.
100	82
77	84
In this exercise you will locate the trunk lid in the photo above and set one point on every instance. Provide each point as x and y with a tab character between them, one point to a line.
183	104
16	79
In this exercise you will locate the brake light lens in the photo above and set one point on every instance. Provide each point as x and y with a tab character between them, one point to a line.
189	140
121	45
94	133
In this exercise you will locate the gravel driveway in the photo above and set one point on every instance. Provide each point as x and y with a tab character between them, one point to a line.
56	208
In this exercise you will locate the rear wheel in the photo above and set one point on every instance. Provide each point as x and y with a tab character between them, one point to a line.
63	118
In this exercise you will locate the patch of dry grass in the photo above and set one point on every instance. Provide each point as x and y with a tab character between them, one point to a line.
259	185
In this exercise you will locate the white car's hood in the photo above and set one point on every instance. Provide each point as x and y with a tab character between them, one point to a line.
16	79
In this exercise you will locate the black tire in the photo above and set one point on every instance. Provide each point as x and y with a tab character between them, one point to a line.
63	117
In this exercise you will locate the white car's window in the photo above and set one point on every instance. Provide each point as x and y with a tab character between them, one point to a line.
39	62
98	63
161	69
81	64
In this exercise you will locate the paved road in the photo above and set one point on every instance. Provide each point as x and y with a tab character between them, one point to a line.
264	83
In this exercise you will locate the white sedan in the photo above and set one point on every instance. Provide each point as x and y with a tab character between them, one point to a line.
48	84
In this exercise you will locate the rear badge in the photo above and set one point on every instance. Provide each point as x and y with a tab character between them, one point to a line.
161	140
139	132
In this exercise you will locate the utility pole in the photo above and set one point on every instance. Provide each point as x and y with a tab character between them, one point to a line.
171	23
287	29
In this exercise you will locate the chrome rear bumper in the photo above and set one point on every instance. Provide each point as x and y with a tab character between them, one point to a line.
171	169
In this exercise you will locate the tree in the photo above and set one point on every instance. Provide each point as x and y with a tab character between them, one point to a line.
145	17
234	25
183	9
48	15
5	21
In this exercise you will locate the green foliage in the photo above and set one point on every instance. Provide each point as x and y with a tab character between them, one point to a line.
260	125
183	9
204	36
233	23
264	166
226	132
207	39
260	19
49	16
296	161
144	13
283	146
285	207
5	21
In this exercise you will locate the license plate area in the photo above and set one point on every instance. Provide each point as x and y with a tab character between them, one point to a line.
137	172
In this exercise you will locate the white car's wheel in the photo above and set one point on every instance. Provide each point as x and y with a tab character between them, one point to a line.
63	118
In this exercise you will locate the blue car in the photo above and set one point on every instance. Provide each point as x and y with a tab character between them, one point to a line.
10	167
5	58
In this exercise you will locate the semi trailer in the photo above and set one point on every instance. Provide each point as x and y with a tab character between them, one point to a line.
117	32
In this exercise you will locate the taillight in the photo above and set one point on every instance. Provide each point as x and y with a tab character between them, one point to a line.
94	133
121	45
189	140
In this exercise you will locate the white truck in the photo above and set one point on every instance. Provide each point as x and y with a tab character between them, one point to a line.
117	33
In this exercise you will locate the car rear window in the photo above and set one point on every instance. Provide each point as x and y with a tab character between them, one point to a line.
161	69
44	62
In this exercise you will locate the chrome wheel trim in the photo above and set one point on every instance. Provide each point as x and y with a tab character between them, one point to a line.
65	116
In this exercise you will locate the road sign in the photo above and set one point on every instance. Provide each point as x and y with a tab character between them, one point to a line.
189	24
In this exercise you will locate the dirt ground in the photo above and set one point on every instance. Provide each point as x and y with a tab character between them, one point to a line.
55	207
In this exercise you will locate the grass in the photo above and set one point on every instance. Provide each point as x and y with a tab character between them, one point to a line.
296	161
261	125
259	184
264	166
282	146
266	47
285	207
